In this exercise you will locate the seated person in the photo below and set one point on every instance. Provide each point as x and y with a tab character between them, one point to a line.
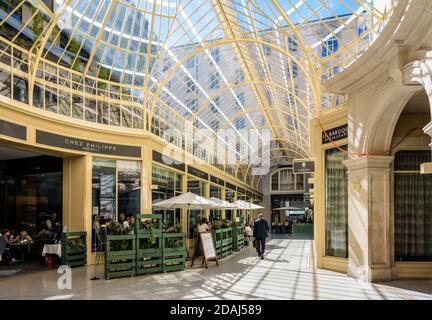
129	224
22	237
45	234
6	248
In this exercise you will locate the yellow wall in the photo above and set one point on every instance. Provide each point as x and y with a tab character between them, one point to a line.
331	118
77	172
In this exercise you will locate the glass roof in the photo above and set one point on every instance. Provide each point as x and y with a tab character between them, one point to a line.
222	64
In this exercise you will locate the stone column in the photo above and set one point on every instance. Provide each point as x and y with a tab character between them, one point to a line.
206	194
146	180
77	197
369	218
426	168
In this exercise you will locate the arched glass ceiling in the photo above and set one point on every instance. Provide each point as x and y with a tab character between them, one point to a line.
150	64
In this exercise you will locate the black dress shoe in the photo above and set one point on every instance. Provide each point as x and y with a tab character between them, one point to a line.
262	257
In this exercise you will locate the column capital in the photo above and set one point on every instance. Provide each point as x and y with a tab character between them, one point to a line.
369	162
428	129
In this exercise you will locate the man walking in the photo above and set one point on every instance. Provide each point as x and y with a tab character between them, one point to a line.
260	232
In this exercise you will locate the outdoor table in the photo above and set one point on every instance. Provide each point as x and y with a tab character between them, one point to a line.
22	246
52	249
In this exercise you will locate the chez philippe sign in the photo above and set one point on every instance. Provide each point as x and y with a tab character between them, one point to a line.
335	134
73	143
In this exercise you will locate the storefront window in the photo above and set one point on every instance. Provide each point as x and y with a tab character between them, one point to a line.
104	188
166	184
215	192
413	207
336	203
115	191
230	196
195	186
129	187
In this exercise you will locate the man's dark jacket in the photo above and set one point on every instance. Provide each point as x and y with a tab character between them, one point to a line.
260	228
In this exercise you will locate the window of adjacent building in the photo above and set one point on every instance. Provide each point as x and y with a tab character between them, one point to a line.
267	50
215	104
192	104
190	64
214	81
413	207
361	29
239	76
275	181
336	203
215	55
330	46
190	85
292	43
239	123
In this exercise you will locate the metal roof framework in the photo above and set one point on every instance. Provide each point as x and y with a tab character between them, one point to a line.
219	64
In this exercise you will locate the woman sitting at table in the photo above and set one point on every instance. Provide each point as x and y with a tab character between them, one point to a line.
22	237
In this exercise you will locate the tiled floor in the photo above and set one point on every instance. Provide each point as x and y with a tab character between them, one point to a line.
286	273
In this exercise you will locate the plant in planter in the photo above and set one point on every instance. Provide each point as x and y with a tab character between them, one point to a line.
216	225
226	224
77	243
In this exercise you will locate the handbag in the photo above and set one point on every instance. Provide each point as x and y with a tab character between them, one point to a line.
254	243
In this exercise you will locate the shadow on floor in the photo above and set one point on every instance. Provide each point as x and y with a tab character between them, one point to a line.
18	268
423	286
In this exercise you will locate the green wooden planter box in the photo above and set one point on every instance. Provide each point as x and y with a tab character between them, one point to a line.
217	238
74	249
173	251
148	259
302	229
238	238
140	230
227	242
120	262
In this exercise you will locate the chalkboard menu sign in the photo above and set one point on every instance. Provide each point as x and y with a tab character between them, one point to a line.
335	134
207	246
168	161
13	130
73	143
198	173
230	186
217	181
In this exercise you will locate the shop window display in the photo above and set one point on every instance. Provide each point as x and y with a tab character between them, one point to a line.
166	184
116	192
413	207
336	203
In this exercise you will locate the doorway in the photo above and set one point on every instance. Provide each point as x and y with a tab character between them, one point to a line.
31	192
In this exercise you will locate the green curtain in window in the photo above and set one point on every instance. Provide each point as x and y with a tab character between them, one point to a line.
413	207
336	203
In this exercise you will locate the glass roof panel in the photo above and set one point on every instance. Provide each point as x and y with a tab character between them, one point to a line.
220	64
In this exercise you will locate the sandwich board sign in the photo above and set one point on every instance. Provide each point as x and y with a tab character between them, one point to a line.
205	242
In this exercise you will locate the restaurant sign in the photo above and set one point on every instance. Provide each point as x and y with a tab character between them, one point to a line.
303	166
335	134
73	143
13	130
